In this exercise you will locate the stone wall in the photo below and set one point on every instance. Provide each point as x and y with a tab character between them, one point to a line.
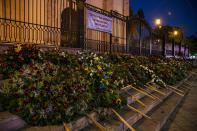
120	6
39	21
4	47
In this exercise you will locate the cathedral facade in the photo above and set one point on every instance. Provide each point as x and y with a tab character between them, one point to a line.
53	22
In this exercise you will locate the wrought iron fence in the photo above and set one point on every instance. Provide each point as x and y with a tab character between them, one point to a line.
58	22
140	36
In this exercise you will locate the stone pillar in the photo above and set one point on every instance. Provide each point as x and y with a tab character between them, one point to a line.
164	46
127	34
140	39
80	8
180	49
150	43
173	46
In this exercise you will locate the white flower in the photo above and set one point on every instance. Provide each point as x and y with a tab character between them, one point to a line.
63	54
91	74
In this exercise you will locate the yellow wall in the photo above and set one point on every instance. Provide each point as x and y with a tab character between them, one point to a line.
49	14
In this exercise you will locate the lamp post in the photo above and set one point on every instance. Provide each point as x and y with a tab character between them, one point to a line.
175	33
158	23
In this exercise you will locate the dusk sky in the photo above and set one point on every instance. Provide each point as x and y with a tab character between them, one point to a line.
172	12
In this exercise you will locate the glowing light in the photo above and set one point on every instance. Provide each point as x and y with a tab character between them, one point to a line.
158	21
175	32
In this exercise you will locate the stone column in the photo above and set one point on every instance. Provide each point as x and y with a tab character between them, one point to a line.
173	46
150	43
80	8
127	34
164	46
140	39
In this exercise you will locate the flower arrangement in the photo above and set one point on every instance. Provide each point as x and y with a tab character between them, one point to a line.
47	88
16	56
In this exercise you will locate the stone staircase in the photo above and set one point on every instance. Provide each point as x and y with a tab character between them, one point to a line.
159	110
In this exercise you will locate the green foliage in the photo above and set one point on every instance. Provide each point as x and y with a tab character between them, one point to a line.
59	87
191	41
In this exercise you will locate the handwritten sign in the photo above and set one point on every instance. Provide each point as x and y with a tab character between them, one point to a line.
96	21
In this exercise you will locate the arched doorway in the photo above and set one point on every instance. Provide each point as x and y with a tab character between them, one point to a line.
70	38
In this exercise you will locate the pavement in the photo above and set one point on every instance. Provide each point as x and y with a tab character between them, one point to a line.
186	118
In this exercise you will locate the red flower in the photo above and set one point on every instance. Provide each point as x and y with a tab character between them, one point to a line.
76	90
26	101
41	94
113	103
99	90
19	60
29	47
17	53
85	98
0	60
35	57
62	92
33	87
18	110
82	92
79	97
31	66
66	106
22	51
26	93
39	74
34	118
101	73
54	109
50	70
33	53
13	65
4	64
23	46
54	98
44	107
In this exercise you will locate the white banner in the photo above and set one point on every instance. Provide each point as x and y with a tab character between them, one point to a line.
96	21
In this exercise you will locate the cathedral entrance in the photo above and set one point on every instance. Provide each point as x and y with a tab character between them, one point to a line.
72	25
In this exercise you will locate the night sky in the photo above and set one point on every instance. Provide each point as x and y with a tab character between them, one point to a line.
172	12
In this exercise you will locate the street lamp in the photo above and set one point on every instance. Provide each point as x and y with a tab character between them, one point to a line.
175	33
158	22
173	44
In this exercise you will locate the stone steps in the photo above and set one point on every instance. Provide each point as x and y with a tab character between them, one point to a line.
129	115
133	118
10	122
85	124
160	114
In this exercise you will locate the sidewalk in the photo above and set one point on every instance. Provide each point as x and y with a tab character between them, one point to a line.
186	118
